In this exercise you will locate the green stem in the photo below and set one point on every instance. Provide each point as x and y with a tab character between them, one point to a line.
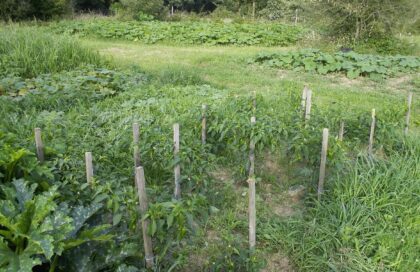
54	264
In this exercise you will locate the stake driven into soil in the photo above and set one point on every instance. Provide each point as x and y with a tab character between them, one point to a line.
251	183
147	240
324	151
39	145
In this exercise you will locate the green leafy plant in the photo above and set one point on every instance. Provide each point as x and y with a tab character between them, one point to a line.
268	34
351	64
35	229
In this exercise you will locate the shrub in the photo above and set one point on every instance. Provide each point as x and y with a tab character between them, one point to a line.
386	46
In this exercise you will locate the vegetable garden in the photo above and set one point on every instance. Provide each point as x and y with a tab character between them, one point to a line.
55	216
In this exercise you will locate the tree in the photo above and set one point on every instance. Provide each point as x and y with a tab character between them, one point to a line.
149	7
362	18
29	9
280	9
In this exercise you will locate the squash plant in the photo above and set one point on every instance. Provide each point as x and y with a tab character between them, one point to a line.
34	229
352	64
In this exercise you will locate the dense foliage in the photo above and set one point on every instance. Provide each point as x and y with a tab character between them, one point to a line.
352	64
360	19
29	9
184	32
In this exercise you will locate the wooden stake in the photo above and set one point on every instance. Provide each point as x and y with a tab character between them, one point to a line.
39	145
204	124
372	132
136	139
251	192
177	169
303	101
407	118
252	213
147	240
324	151
252	152
89	166
308	105
341	132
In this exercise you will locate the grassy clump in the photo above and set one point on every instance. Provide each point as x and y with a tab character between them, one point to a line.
366	221
28	52
352	64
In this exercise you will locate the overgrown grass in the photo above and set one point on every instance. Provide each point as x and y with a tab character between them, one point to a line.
368	220
28	52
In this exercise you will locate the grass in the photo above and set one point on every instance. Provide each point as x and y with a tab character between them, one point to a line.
28	52
367	221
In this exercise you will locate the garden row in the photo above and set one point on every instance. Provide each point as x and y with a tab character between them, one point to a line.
352	64
210	33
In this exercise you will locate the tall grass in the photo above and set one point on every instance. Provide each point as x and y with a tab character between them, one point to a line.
28	52
369	220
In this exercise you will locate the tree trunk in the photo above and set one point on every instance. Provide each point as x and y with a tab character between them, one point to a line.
357	35
253	10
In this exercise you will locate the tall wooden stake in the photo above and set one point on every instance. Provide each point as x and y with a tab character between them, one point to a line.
252	152
308	105
147	240
204	124
177	169
407	117
136	139
251	192
324	151
89	166
39	145
303	101
372	132
341	132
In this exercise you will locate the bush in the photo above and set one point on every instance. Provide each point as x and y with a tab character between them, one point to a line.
386	46
28	52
